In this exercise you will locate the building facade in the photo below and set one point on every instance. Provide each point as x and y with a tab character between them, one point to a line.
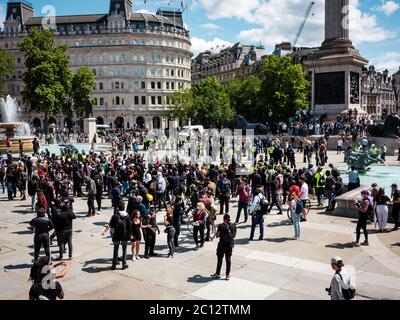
138	60
380	92
237	61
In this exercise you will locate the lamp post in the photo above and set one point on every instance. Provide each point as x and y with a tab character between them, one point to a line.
106	111
270	114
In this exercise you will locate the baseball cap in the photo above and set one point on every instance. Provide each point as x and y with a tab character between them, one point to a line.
337	260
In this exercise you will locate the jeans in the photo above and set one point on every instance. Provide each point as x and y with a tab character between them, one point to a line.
116	248
224	201
257	220
125	187
228	256
395	214
63	238
90	203
320	194
33	202
177	228
39	240
242	206
150	242
362	224
296	223
196	232
170	240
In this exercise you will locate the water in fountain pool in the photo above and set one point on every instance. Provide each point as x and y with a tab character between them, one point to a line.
383	176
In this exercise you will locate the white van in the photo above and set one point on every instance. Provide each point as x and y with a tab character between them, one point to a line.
188	131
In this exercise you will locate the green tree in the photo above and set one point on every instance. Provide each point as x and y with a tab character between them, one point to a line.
182	103
7	68
82	88
245	96
284	89
206	103
48	78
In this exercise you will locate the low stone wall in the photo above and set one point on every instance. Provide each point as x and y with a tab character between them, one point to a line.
345	206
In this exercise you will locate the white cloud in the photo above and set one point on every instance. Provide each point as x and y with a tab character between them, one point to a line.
145	11
2	16
388	8
389	60
210	26
200	45
279	20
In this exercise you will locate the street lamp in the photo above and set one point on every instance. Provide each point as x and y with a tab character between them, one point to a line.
106	111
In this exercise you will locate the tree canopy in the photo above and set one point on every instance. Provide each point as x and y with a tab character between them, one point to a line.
48	78
7	68
206	103
82	88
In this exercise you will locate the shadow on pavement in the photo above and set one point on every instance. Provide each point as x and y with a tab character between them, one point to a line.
279	224
199	279
18	266
340	245
242	241
23	232
278	240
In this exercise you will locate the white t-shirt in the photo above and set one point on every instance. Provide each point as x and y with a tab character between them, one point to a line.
304	191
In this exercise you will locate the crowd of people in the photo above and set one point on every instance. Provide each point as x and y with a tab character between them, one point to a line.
139	190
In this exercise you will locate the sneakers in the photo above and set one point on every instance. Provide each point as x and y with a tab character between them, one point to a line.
216	276
261	238
228	277
125	267
138	258
365	243
133	258
356	244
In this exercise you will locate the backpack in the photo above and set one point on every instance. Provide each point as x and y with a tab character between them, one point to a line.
349	293
32	187
228	235
263	206
120	227
225	187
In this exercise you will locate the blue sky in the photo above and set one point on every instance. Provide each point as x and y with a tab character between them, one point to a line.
374	24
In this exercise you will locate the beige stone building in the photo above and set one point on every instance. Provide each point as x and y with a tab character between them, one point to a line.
138	59
232	62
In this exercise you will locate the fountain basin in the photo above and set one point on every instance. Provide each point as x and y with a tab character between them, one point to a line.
15	131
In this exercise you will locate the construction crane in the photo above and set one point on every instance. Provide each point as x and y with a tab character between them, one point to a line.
303	23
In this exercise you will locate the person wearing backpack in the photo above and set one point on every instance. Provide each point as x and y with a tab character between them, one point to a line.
224	188
122	226
296	207
226	233
258	209
341	288
364	208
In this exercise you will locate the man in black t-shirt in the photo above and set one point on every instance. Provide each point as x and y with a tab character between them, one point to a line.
226	233
396	206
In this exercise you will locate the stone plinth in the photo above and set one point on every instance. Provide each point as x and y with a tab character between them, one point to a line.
90	128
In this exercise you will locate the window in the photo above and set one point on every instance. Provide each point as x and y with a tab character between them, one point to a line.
159	100
153	100
94	72
143	84
101	86
167	85
173	85
136	100
143	100
172	73
159	85
122	101
117	101
116	86
102	101
136	85
153	85
19	60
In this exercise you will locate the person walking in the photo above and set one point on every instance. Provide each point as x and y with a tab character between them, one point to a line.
320	185
136	237
179	211
92	191
150	229
42	227
64	228
304	197
226	233
244	193
122	226
257	213
340	281
364	207
296	208
396	206
382	211
170	230
224	189
199	225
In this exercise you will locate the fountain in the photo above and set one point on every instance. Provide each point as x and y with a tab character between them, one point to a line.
13	129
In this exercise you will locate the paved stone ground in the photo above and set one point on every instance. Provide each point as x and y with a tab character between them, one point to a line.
275	268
